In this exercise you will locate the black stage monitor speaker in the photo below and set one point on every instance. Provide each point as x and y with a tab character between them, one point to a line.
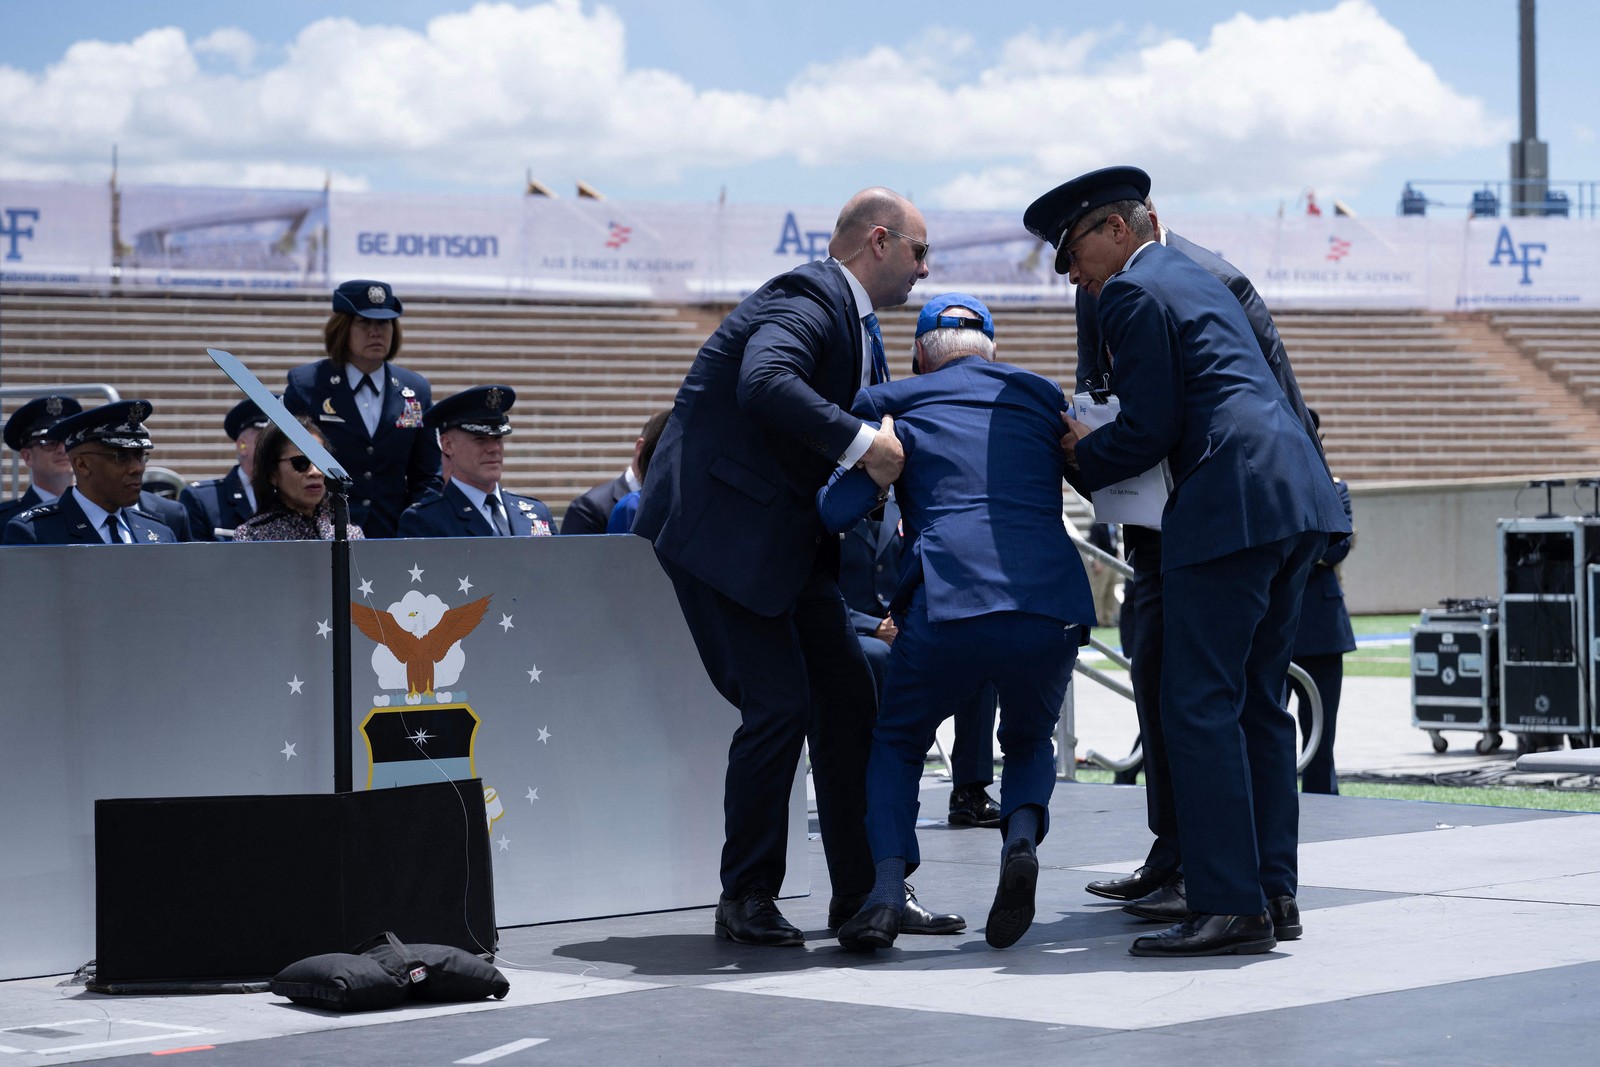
192	892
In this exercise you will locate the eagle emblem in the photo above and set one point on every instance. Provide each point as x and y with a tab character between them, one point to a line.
419	641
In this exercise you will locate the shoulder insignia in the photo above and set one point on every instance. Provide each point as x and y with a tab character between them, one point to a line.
39	511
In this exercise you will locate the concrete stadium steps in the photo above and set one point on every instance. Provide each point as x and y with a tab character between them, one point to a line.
1403	395
1564	344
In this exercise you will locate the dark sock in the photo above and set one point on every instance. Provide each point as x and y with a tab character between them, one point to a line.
1023	825
890	888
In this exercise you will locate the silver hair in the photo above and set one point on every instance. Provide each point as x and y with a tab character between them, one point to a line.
1135	213
947	342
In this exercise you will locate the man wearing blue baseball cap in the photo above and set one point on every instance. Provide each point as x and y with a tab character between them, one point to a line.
109	448
1251	510
992	591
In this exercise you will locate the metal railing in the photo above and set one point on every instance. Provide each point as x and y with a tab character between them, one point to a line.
1066	726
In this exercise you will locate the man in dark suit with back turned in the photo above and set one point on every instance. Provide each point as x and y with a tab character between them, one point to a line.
1250	511
756	429
1156	889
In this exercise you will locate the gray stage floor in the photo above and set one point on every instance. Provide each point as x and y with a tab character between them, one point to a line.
1434	934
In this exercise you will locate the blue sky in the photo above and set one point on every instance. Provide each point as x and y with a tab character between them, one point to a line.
1231	106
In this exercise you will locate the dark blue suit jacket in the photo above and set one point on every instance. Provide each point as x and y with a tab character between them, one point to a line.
980	497
1094	368
216	504
869	568
1196	393
169	513
451	514
12	508
396	466
757	428
591	512
62	522
1324	621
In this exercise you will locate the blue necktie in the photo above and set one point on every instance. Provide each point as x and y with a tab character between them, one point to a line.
880	363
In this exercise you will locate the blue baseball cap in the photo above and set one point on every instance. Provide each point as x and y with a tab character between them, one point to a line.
933	317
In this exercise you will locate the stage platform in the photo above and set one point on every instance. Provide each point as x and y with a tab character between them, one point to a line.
1434	934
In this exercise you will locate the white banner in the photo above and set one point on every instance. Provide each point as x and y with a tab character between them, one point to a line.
694	252
54	233
223	238
628	251
413	240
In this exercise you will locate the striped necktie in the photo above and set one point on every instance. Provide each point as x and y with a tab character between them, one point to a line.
880	362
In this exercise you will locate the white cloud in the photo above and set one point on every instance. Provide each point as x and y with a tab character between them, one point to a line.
1262	106
233	44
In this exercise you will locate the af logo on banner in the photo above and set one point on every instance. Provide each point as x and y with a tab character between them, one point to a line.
13	230
1528	263
1507	249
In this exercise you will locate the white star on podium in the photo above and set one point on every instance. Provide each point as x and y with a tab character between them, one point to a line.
295	685
504	623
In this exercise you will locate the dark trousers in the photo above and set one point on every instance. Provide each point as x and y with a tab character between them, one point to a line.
1230	628
1143	645
972	756
794	677
1327	674
933	667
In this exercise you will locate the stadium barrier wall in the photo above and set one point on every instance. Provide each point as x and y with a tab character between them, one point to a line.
205	670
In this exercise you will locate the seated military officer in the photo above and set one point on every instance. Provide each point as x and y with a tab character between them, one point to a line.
49	470
108	449
217	506
472	426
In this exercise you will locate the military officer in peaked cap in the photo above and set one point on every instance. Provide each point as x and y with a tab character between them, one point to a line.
49	470
1251	509
472	427
108	448
369	410
221	504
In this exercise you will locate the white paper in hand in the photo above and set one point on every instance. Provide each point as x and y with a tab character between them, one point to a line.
1140	500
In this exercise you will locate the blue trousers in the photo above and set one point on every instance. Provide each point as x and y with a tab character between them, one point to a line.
933	668
1230	628
972	756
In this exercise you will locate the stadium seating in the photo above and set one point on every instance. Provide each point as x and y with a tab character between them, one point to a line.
1403	395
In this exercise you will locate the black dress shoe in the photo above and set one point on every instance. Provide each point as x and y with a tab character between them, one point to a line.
971	805
1144	881
1210	935
753	919
1012	912
871	928
1166	904
916	919
1285	918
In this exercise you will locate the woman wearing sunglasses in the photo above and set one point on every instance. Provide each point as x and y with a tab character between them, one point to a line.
291	497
